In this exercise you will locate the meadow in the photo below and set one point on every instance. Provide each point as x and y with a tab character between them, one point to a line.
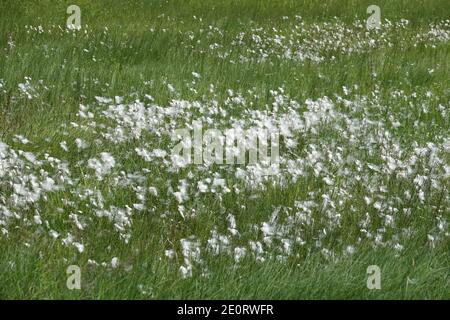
88	122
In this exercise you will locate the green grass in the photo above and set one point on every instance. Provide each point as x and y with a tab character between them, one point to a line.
129	56
311	278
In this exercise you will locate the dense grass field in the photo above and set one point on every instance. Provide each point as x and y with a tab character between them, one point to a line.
88	177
